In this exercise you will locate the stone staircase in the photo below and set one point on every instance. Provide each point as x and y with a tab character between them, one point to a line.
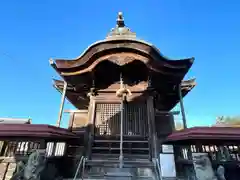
108	168
104	161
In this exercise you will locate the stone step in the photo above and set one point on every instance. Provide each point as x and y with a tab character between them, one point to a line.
117	151
114	175
105	178
108	169
125	138
116	156
115	163
105	149
87	178
118	148
118	141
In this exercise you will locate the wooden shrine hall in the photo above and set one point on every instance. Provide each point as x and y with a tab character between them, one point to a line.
124	91
115	82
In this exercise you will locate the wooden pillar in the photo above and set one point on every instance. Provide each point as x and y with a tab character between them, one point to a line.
91	125
62	104
149	131
43	144
182	107
151	124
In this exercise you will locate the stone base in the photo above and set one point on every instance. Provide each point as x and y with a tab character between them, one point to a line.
7	170
119	173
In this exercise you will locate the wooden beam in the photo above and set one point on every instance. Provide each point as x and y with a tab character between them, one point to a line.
75	111
62	105
182	107
168	112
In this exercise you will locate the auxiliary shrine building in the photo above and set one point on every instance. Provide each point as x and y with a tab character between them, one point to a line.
124	91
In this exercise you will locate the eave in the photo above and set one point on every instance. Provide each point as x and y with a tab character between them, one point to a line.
80	100
205	135
168	100
121	52
35	131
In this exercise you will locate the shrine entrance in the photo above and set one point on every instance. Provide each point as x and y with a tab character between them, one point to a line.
127	140
108	120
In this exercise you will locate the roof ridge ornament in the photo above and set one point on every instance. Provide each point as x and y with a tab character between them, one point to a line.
120	31
120	20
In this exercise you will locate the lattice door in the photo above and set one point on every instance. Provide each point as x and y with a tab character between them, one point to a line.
135	120
108	118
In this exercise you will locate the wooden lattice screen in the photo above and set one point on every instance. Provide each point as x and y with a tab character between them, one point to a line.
108	118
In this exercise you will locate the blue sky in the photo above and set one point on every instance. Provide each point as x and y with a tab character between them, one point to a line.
33	31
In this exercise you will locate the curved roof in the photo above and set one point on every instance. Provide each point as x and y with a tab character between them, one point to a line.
121	47
101	64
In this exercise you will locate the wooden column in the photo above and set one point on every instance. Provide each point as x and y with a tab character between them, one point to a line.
43	144
152	130
91	125
62	104
182	107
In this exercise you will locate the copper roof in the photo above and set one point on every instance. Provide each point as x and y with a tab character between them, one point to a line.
121	42
34	131
104	61
205	134
15	121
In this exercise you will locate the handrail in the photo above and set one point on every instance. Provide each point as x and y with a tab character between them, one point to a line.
78	167
158	169
83	168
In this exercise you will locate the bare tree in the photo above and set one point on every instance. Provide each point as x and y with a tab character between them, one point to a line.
233	121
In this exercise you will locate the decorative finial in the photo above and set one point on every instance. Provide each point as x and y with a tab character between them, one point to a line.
120	31
120	20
